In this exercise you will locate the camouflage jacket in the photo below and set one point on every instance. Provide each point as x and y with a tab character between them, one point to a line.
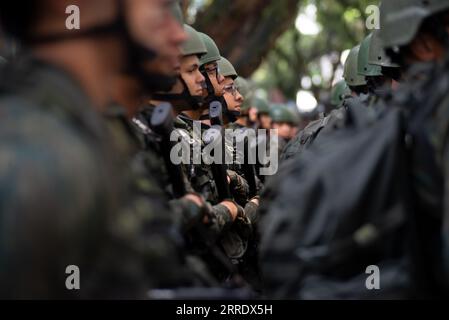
67	197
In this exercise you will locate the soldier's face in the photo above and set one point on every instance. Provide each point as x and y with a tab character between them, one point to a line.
92	14
252	113
285	130
153	25
215	78
190	73
233	98
265	121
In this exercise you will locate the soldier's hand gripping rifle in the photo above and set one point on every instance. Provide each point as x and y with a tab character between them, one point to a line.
162	124
213	135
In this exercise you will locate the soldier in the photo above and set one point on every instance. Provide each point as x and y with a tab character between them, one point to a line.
284	121
415	35
232	96
209	69
263	113
379	85
357	83
339	93
70	193
377	56
244	119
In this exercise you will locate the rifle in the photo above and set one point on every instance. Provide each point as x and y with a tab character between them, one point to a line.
162	124
249	171
219	171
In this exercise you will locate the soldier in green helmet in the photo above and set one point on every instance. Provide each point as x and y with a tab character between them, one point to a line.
415	35
232	97
378	56
243	86
356	82
378	83
284	122
339	93
263	113
210	70
414	30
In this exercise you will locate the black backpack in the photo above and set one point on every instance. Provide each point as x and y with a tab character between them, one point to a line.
344	204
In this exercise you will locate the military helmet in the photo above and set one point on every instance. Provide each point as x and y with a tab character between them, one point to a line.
281	113
401	19
213	54
339	92
351	75
377	54
364	68
261	106
177	12
194	45
226	68
244	88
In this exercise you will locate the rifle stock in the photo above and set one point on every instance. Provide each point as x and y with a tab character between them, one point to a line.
162	124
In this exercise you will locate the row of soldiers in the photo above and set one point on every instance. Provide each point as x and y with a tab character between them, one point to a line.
87	173
88	177
365	187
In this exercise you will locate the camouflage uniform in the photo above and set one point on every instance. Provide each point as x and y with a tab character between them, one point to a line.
67	197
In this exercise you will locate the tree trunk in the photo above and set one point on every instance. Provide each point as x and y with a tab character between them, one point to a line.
246	30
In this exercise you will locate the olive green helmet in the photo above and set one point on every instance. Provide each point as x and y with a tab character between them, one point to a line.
351	75
194	45
377	54
226	68
281	113
261	106
364	68
213	54
339	92
244	87
401	19
177	12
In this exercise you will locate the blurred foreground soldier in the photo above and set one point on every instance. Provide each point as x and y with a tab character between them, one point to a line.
391	214
66	193
416	35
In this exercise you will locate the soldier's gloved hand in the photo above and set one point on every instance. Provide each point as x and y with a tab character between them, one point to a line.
234	209
195	198
199	210
239	188
251	209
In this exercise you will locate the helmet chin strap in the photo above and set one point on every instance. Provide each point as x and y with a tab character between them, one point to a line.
211	97
181	101
137	54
